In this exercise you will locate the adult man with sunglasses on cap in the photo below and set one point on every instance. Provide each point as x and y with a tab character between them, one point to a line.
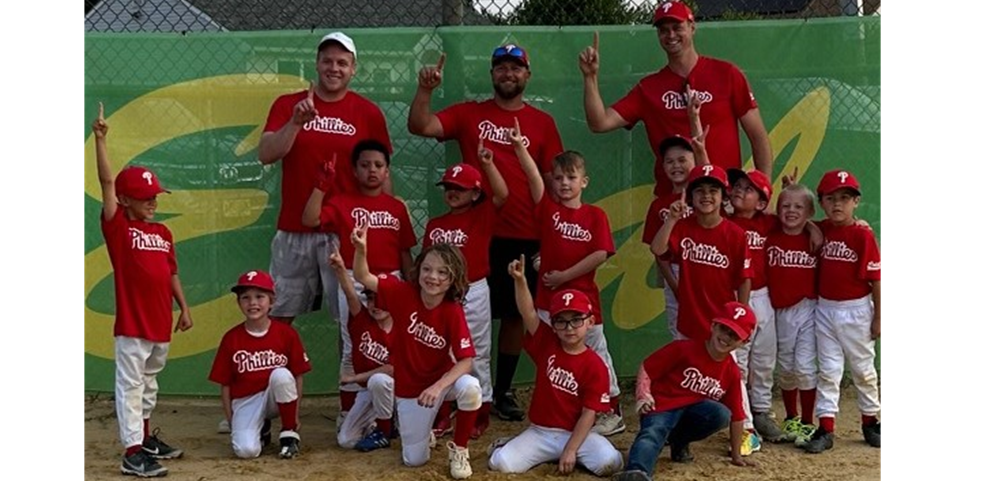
490	122
660	99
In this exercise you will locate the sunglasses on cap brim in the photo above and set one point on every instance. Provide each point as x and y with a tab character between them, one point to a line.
516	52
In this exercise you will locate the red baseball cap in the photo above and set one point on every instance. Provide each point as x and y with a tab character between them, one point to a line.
757	178
838	179
701	172
739	318
673	10
138	183
257	279
510	52
570	300
464	176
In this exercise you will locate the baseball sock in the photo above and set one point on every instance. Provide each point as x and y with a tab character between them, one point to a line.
868	420
506	366
827	424
133	449
484	415
347	399
790	397
464	424
442	417
384	425
614	404
145	423
808	405
288	415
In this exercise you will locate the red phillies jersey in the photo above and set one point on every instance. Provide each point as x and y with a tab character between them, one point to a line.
370	348
657	214
791	269
658	101
757	229
566	383
469	121
567	236
424	342
338	127
713	262
244	360
144	261
683	373
849	261
471	231
389	233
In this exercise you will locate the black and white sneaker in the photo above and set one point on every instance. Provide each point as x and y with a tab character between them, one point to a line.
506	407
290	444
157	449
821	441
142	465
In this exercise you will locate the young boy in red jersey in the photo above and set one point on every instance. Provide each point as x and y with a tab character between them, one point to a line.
146	282
848	313
260	365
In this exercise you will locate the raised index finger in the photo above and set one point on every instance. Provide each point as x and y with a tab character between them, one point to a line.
100	110
310	91
595	44
442	61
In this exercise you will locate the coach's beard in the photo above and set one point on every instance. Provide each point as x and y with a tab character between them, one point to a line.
508	93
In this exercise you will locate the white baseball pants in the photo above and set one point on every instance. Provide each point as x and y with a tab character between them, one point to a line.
757	358
249	413
671	305
843	335
374	402
415	422
477	309
137	362
796	348
538	444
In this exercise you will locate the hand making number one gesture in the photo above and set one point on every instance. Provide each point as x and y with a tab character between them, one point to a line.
431	76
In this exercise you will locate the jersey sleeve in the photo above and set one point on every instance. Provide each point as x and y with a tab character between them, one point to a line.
674	242
733	398
452	119
534	344
870	257
603	239
629	107
221	371
327	219
174	268
459	334
653	222
595	391
114	228
742	97
660	362
299	362
279	113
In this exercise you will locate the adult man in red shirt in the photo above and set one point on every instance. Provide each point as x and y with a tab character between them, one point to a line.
306	129
660	99
490	122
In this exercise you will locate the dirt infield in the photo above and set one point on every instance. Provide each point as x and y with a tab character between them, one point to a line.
190	424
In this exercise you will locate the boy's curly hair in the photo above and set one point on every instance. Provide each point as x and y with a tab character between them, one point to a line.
455	263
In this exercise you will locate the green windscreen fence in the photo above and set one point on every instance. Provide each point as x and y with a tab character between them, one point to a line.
192	108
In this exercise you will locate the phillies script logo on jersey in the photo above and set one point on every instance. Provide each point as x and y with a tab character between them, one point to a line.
330	125
570	231
777	257
455	237
425	334
754	240
372	349
560	378
678	100
147	242
258	360
377	219
490	131
838	251
697	382
703	254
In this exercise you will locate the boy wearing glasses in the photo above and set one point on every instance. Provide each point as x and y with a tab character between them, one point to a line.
489	121
572	381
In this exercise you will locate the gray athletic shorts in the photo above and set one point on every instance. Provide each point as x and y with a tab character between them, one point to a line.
299	266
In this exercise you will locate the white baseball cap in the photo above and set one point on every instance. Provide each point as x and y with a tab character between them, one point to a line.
342	39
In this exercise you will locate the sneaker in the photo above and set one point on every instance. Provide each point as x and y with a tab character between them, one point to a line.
750	444
632	475
791	428
681	454
374	440
158	449
767	428
340	420
608	424
432	442
224	427
142	465
497	443
459	461
266	433
805	433
290	444
872	434
506	407
821	441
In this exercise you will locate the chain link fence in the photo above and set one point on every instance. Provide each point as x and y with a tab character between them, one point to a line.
188	83
256	15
